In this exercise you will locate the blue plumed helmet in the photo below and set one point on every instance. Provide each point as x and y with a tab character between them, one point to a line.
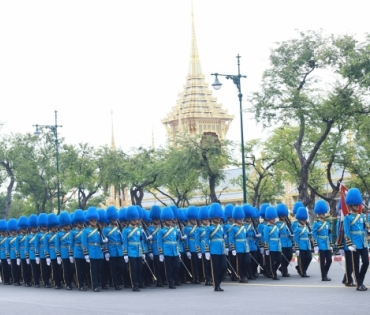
282	210
215	211
263	208
140	211
353	197
248	210
182	215
256	214
42	220
52	220
192	213
321	207
270	213
3	225
229	210
102	216
32	221
238	213
155	212
301	214
23	222
297	204
146	216
203	213
64	218
112	214
167	214
79	216
122	215
12	225
175	211
132	213
92	214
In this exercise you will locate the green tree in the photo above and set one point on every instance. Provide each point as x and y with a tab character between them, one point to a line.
308	86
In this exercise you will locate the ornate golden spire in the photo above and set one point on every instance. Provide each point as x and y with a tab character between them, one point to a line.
112	143
196	111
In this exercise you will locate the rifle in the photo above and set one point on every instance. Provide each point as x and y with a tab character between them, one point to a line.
145	228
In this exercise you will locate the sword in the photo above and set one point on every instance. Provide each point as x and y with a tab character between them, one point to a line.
231	267
185	267
154	277
286	259
256	261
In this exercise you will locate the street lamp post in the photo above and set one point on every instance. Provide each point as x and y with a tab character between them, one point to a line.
236	80
54	130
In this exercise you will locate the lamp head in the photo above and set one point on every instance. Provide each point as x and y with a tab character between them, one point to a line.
37	131
217	84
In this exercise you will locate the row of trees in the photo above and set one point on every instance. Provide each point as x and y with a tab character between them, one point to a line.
315	94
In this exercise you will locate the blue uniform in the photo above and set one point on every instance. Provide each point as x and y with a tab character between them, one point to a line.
10	247
189	231
355	231
32	245
238	239
321	234
214	239
284	233
20	245
63	244
115	241
153	231
167	241
2	247
133	241
76	243
49	245
271	238
92	243
301	237
200	239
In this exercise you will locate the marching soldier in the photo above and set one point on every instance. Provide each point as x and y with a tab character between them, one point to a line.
168	247
286	236
42	223
228	225
33	249
261	227
92	243
215	248
189	231
302	241
252	238
11	255
20	246
321	233
63	248
356	237
295	223
114	246
5	268
133	239
272	242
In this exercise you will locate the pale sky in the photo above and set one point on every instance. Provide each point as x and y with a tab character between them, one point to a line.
86	58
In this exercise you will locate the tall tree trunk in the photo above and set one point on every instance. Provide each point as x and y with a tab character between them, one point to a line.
212	188
9	189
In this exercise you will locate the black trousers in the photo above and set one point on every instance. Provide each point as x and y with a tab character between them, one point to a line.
116	266
147	275
304	259
136	267
106	272
96	266
35	272
26	271
56	272
5	271
82	269
360	272
218	267
194	266
288	253
45	271
15	270
243	263
274	259
347	278
207	268
158	269
172	265
183	274
254	264
232	260
67	271
325	262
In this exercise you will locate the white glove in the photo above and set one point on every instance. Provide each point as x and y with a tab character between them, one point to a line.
184	237
188	255
297	252
258	235
161	258
18	261
27	261
199	255
48	261
151	257
107	256
331	248
316	249
38	260
233	252
341	251
143	257
71	259
226	251
59	260
262	250
149	238
267	252
352	248
208	256
225	236
126	259
9	261
87	258
105	240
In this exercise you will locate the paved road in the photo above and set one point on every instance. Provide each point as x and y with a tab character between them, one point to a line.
264	296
